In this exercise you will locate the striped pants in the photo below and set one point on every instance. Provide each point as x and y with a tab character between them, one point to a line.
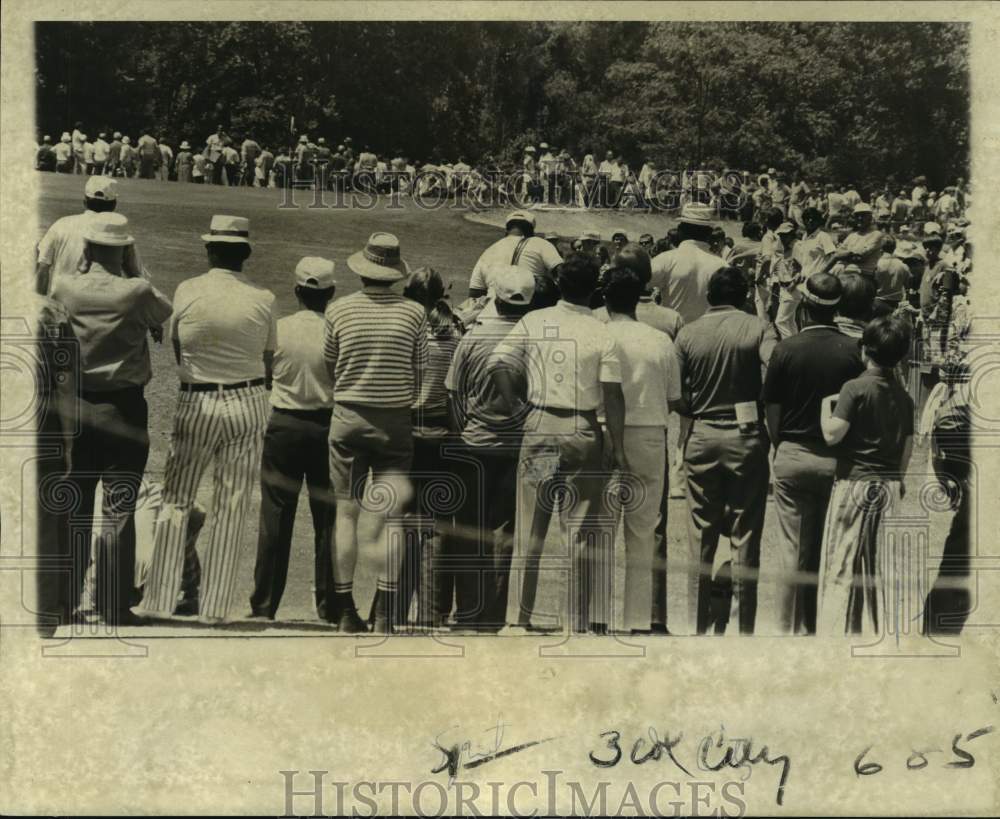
852	593
226	427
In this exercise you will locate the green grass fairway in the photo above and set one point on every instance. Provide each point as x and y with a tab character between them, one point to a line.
168	219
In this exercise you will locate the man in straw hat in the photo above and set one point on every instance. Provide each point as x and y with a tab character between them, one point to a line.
375	350
520	247
682	275
295	445
224	333
110	314
803	370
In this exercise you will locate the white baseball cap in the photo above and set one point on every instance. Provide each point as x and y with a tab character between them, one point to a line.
101	187
110	229
315	273
520	216
590	236
512	284
862	207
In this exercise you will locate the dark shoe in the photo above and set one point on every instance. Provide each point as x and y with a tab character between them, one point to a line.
601	629
351	623
187	608
659	628
259	615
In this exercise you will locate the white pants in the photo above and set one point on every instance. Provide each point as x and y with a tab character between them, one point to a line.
784	319
226	427
645	453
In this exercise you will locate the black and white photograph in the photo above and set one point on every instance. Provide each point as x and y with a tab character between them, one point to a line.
431	358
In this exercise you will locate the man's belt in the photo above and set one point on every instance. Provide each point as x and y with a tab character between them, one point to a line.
207	387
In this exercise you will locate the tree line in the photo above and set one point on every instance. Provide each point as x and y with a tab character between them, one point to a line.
836	100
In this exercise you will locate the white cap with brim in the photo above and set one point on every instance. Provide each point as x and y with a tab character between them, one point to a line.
590	236
862	207
931	227
228	229
512	284
380	260
315	273
101	187
109	229
694	213
785	227
520	216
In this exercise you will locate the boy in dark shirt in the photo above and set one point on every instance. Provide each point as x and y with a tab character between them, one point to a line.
872	421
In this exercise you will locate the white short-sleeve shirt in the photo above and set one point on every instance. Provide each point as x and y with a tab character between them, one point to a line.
61	248
650	372
538	256
567	354
224	324
301	380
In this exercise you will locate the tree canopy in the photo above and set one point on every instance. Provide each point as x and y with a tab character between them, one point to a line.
837	100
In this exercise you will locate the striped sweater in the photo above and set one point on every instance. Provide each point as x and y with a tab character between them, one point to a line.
375	348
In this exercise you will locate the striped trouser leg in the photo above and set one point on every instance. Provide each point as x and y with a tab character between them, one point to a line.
196	431
244	416
851	594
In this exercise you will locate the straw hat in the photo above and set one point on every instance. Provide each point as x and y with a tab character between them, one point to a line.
694	213
109	229
380	260
229	229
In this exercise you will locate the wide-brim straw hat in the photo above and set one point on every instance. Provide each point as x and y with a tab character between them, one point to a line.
380	260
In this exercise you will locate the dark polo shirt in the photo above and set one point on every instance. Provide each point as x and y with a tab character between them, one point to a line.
804	369
721	356
880	413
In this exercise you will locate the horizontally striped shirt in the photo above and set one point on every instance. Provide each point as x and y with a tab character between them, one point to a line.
375	348
432	397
